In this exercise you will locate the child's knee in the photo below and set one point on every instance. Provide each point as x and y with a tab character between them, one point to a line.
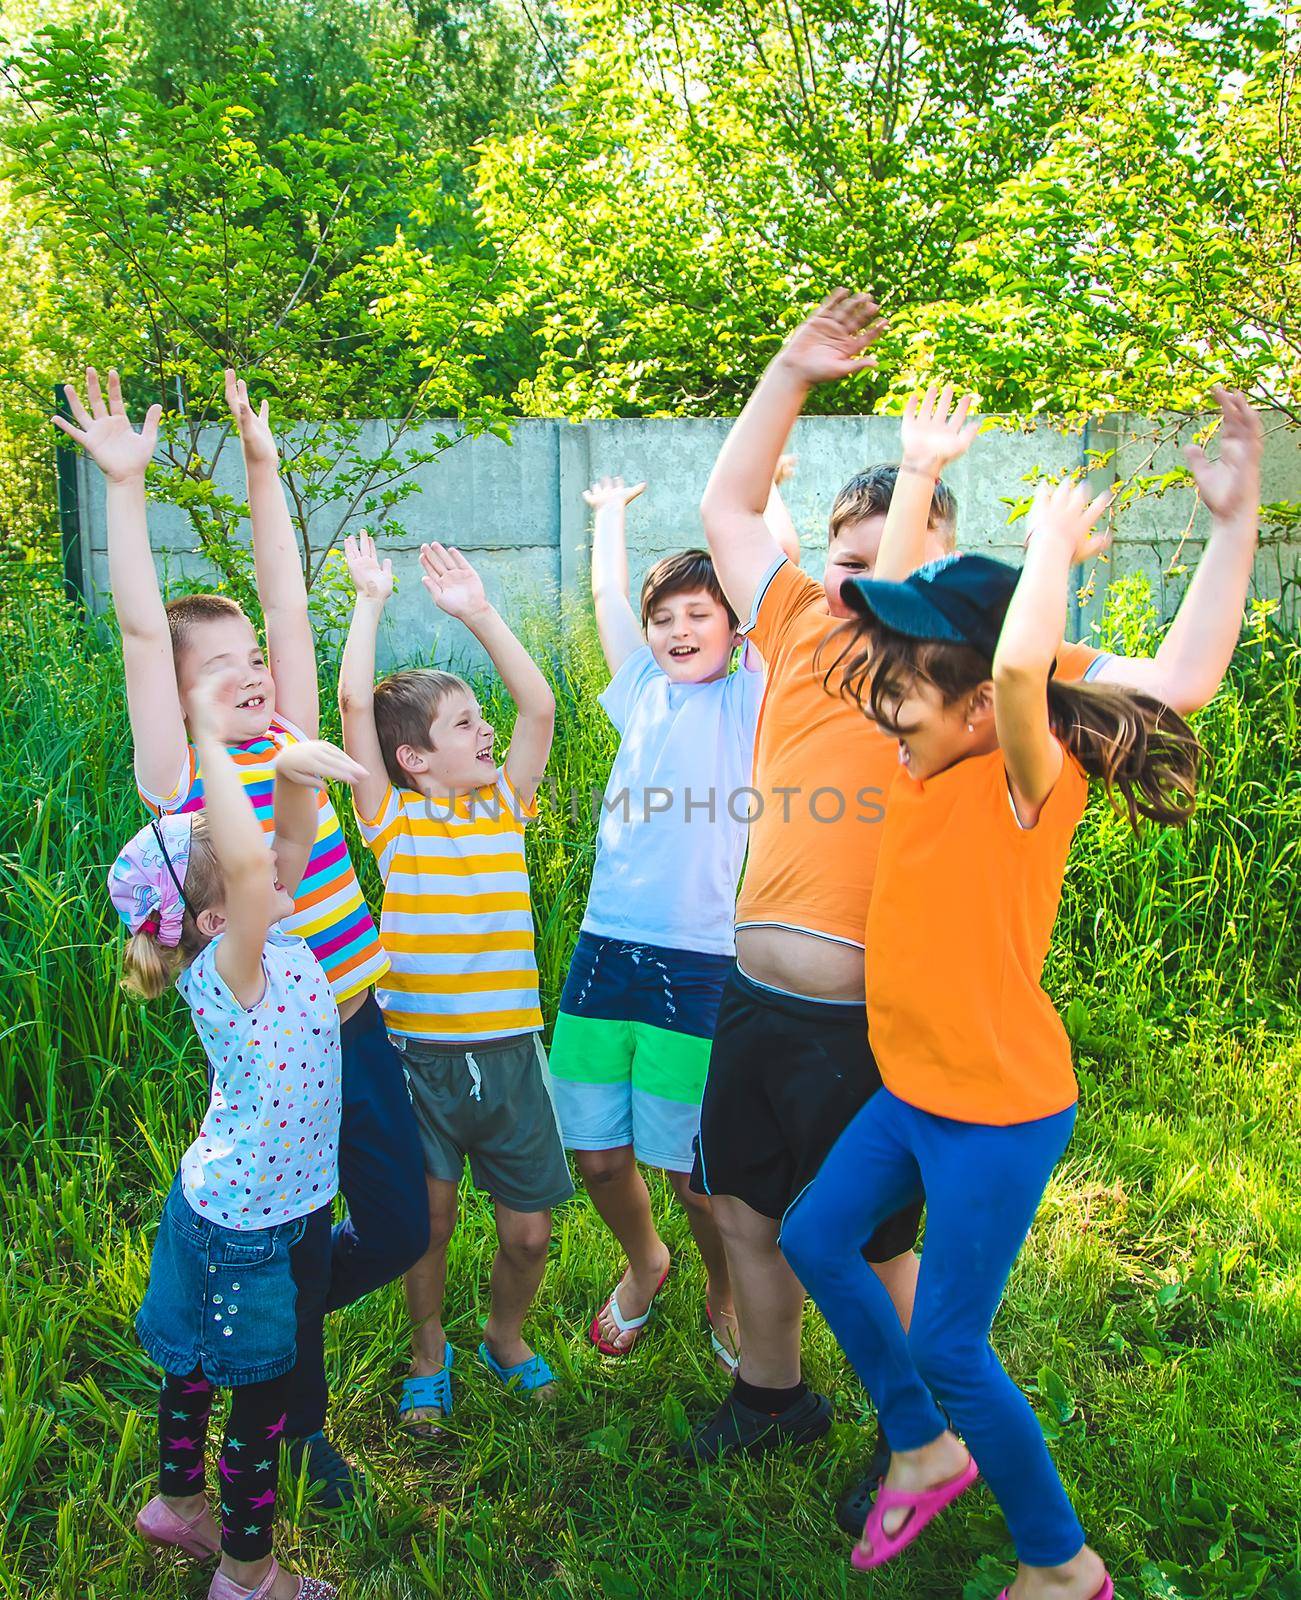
601	1167
527	1239
698	1204
944	1363
441	1213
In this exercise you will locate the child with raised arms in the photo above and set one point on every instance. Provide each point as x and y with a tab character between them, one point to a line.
631	1043
446	823
791	1062
247	1218
955	663
168	652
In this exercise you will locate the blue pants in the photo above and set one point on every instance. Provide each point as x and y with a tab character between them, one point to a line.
982	1186
382	1177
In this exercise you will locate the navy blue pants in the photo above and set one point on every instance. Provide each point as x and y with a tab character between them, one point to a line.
982	1186
382	1178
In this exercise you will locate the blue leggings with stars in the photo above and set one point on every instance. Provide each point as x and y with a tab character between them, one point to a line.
249	1465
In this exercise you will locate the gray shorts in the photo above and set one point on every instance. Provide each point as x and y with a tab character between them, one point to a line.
490	1102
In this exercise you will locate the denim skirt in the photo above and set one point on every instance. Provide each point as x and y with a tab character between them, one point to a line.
223	1299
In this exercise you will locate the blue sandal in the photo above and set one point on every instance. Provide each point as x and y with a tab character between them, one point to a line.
421	1393
526	1377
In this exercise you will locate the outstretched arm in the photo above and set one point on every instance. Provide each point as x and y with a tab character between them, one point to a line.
237	841
828	346
373	582
616	621
933	434
1062	533
777	515
105	433
302	770
1190	664
456	588
280	584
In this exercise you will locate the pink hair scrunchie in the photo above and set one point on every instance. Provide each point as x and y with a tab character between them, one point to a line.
145	882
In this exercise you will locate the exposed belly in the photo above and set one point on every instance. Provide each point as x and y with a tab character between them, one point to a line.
803	963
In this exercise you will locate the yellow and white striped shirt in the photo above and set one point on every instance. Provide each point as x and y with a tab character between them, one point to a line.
457	924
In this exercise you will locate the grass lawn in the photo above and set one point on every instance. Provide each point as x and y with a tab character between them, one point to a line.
1155	1316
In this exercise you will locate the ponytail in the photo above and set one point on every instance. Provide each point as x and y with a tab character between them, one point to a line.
148	967
1134	743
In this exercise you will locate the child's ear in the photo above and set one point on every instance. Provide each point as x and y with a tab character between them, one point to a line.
210	922
410	759
980	704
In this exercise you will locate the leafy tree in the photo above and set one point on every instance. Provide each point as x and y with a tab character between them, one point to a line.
194	240
708	164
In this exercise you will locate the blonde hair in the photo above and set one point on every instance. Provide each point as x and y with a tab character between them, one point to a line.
148	967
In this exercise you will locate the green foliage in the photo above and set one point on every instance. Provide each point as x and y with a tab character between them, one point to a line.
335	266
1153	1317
1073	209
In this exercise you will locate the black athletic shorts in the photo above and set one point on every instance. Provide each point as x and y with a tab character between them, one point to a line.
786	1077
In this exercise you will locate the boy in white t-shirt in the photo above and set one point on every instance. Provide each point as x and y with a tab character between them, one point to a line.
631	1044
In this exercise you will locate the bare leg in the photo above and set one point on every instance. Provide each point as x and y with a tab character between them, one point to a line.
718	1284
424	1284
769	1298
522	1241
622	1200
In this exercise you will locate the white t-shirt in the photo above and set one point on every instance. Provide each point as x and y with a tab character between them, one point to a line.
673	828
268	1148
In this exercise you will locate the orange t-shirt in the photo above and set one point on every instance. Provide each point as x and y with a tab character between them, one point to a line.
821	772
958	930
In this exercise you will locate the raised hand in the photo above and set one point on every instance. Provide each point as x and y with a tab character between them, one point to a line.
313	762
829	345
611	491
1063	514
254	427
371	578
104	431
1230	486
785	469
453	584
210	701
935	432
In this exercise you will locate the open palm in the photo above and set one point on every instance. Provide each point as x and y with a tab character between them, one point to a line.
254	427
371	577
1230	485
452	582
829	345
104	430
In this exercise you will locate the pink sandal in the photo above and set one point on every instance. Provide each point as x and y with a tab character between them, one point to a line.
1107	1591
223	1588
160	1525
924	1505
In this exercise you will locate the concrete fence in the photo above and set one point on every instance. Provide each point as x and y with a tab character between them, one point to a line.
517	510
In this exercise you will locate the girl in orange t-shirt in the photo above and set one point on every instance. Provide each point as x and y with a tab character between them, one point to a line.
979	1096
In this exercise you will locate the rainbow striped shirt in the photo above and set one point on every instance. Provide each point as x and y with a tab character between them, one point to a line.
457	922
331	913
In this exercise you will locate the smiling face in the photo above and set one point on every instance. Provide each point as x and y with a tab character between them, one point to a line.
224	644
931	734
458	752
691	636
853	549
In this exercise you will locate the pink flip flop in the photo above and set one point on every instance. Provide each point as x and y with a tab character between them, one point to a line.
1107	1591
160	1525
624	1324
924	1506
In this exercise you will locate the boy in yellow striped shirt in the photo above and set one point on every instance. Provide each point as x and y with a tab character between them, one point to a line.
446	824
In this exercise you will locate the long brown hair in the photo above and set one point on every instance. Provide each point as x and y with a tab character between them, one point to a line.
1145	754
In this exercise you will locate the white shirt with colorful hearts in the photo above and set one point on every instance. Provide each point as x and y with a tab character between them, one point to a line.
268	1147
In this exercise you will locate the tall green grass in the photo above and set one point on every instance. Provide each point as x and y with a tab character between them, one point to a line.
1155	1316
